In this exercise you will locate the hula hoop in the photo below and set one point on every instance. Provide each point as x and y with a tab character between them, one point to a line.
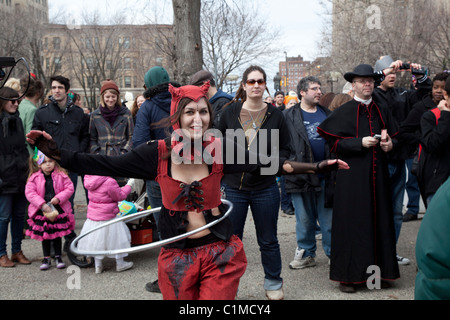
149	246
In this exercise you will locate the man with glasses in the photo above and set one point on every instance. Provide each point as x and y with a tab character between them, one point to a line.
308	191
363	235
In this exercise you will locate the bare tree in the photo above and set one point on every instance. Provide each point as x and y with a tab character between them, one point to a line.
21	41
188	56
361	31
230	41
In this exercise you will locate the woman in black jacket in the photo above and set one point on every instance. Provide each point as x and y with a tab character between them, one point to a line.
433	165
13	176
264	127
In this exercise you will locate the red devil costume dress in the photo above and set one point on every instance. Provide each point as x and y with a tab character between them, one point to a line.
363	228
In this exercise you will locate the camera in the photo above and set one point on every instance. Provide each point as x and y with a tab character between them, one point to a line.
10	62
6	62
420	72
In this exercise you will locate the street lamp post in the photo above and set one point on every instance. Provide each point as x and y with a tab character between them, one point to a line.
287	74
276	82
333	77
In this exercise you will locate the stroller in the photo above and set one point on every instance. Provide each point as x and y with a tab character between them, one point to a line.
142	231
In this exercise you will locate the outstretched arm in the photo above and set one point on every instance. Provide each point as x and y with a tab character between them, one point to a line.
140	163
45	143
293	167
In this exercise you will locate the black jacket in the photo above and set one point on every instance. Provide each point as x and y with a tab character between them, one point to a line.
435	158
13	154
302	152
274	119
410	128
70	129
400	102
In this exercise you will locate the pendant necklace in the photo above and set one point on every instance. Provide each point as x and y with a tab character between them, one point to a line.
254	126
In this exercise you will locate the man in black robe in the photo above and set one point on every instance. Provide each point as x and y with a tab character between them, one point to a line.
363	232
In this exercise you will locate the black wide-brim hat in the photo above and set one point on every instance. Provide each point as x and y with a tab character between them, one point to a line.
363	70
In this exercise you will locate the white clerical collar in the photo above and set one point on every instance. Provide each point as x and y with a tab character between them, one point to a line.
366	102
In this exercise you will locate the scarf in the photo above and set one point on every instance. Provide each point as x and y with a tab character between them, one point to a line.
63	109
7	119
110	115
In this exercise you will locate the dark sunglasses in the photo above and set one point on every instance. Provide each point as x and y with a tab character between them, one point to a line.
252	82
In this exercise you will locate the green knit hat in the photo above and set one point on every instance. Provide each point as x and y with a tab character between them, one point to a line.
155	76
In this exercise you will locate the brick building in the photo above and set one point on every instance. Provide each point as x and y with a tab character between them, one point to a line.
86	54
291	71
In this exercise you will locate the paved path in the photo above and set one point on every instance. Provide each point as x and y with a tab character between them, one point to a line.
28	282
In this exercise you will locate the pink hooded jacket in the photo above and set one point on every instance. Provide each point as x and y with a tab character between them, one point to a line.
35	192
104	195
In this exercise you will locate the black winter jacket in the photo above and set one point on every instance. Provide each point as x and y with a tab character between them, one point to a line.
70	129
410	128
13	154
400	102
435	158
274	119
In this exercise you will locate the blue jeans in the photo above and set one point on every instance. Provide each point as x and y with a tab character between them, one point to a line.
429	199
74	178
13	209
286	199
265	206
310	208
397	174
413	191
154	196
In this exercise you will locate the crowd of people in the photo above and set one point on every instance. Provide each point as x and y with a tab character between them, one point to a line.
344	162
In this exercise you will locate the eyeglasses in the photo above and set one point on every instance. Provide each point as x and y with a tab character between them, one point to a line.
368	81
251	82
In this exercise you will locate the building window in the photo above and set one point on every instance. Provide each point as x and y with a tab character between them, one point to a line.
126	43
89	63
127	82
127	63
57	63
56	43
90	81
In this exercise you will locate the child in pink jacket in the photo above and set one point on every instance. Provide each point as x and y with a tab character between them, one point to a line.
104	195
48	191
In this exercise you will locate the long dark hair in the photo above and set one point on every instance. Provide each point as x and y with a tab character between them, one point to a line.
241	94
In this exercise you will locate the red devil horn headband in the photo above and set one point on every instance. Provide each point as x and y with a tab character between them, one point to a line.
192	92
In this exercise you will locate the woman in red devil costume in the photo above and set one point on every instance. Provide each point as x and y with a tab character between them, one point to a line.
189	167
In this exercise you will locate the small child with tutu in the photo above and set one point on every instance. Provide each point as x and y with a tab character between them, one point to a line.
104	195
48	191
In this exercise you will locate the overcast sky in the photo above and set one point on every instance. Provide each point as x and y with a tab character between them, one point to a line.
299	21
